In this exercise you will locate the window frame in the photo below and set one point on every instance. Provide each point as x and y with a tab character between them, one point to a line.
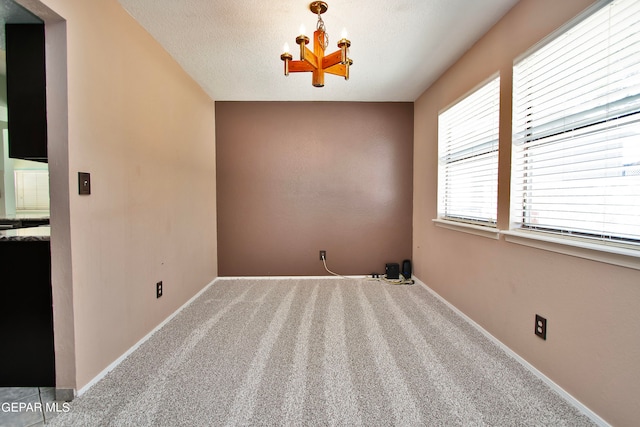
485	227
617	251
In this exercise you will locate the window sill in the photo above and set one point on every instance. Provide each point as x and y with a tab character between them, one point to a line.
478	230
615	255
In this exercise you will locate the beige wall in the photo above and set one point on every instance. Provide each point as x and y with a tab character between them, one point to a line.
146	133
295	178
593	340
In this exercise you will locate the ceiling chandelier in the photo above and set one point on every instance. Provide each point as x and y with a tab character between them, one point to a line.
336	63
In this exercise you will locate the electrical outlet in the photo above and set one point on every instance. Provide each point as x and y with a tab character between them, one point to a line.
159	289
323	255
541	327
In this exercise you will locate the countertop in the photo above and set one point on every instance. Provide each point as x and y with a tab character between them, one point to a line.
22	221
29	234
21	216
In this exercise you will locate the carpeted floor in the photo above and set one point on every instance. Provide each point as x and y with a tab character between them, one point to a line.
319	352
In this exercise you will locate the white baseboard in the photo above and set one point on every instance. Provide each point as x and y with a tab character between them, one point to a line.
119	360
289	277
562	392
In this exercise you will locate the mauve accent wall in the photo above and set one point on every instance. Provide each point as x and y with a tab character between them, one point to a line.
294	178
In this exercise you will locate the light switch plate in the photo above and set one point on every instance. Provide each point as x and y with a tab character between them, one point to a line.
84	183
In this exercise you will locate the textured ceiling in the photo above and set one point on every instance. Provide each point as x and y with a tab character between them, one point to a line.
232	47
12	13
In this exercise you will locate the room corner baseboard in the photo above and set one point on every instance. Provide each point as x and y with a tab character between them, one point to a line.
548	381
119	360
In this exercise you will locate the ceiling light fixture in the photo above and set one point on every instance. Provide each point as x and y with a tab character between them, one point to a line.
336	63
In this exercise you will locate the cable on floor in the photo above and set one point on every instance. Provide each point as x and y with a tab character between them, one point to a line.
402	281
331	272
384	279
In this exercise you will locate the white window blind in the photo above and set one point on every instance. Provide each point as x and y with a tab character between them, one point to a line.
32	190
468	157
576	130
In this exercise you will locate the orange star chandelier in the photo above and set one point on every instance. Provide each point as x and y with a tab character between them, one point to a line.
336	63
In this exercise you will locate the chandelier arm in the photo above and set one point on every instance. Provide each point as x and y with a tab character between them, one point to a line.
340	70
332	59
300	66
310	58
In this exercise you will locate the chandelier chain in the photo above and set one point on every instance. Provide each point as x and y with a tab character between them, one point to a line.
320	27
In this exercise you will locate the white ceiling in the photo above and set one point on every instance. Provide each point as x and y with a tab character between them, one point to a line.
232	47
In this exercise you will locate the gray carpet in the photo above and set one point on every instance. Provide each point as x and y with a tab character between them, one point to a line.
300	352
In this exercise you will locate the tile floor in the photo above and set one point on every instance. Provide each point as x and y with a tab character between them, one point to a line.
27	406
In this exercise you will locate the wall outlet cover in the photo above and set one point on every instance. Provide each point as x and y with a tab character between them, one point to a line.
541	327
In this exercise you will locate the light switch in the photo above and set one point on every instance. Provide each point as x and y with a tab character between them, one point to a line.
84	183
